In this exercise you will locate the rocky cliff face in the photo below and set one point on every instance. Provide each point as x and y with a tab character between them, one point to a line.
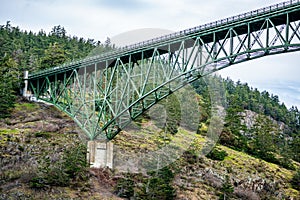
249	119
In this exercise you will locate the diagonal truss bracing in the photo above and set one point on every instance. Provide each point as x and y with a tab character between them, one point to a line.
104	93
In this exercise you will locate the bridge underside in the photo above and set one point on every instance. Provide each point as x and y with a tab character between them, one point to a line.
104	95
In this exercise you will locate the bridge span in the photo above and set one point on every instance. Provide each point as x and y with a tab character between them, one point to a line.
104	93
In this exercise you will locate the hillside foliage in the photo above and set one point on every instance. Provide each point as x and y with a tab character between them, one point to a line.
275	134
24	50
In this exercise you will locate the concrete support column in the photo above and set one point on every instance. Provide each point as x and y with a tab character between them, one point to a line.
100	154
25	84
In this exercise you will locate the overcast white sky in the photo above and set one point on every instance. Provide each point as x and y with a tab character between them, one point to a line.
98	19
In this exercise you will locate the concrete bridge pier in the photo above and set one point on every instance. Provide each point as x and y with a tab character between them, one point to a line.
26	93
100	154
25	84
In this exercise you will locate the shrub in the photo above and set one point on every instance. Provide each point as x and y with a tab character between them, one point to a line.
69	170
190	157
125	188
157	185
287	163
296	180
227	189
37	182
158	188
42	134
217	154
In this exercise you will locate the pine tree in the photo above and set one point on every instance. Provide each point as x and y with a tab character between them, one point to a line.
54	56
227	189
8	86
265	134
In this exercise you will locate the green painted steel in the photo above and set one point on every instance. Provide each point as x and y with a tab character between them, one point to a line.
105	93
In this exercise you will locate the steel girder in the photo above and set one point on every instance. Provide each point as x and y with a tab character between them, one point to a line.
103	95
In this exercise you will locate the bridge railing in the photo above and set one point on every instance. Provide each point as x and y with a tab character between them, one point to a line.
171	36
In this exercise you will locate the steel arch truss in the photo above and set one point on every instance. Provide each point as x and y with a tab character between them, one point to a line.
269	39
103	96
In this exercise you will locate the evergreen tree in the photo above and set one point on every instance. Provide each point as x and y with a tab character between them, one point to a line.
296	180
227	189
58	31
295	147
8	86
265	133
54	56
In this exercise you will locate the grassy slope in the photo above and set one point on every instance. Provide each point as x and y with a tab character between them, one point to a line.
197	177
35	130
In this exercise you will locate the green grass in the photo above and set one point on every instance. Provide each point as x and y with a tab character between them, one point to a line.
8	131
26	107
240	160
8	135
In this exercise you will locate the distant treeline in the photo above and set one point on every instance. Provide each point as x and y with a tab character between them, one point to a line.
35	51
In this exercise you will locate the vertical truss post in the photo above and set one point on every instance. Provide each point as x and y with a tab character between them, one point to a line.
231	43
287	28
249	40
268	36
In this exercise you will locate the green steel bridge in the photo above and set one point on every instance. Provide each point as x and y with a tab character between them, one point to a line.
105	93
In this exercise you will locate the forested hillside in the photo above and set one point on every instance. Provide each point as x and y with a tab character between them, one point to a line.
256	157
22	50
275	129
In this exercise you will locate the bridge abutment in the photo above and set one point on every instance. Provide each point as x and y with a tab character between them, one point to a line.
100	154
